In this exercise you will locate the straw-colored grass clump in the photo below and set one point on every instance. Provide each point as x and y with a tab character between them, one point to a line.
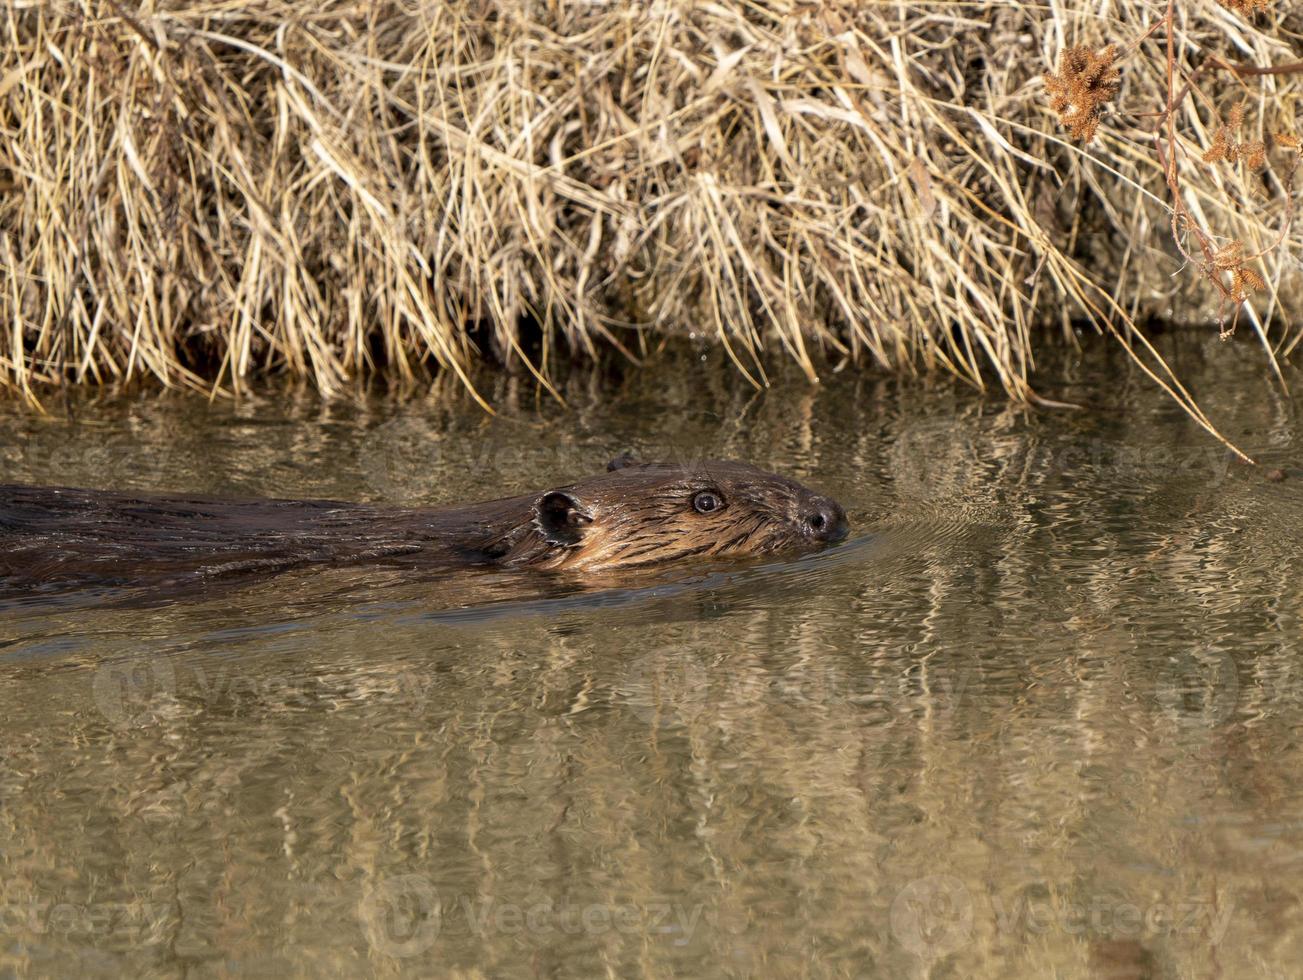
204	192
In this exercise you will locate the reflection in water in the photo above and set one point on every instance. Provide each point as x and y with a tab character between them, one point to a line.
1040	716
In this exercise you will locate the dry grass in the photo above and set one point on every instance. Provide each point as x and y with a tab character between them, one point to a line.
204	192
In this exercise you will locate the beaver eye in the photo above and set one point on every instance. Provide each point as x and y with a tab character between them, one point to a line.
706	501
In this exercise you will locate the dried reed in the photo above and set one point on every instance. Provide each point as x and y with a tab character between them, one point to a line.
202	192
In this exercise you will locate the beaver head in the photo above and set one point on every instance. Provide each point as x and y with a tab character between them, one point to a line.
642	513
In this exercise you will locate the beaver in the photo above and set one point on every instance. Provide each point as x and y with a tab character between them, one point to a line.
634	514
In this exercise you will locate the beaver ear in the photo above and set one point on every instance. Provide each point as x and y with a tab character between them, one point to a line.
561	518
620	462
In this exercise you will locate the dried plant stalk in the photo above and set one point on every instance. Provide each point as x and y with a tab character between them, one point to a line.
201	193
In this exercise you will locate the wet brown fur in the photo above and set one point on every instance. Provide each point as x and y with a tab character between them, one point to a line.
633	515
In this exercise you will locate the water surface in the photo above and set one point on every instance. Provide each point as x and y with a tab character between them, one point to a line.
1041	715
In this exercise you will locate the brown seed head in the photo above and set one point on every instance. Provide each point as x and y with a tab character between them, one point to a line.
1245	7
1086	82
1225	145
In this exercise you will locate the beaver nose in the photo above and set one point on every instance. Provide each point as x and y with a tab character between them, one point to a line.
826	520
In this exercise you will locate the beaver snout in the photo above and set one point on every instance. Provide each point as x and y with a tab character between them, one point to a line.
825	520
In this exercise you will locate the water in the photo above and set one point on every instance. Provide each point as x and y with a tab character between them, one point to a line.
1041	715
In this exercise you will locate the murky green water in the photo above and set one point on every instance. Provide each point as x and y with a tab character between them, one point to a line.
1042	715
